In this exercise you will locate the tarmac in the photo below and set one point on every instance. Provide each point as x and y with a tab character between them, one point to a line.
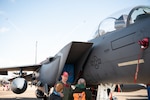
29	94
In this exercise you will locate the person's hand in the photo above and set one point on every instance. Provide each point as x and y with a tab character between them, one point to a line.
61	94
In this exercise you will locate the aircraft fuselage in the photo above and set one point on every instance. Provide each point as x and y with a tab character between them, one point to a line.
114	56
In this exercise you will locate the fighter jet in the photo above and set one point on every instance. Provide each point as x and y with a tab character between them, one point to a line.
118	53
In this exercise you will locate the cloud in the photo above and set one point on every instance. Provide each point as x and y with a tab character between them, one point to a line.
4	29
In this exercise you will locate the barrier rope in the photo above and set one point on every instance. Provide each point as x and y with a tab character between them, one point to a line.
137	67
144	45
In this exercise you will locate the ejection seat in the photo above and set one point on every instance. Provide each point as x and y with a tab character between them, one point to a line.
121	22
142	16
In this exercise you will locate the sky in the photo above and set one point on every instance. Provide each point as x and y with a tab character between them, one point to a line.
33	30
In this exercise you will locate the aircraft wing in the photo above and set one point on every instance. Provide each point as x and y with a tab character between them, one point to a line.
23	68
3	73
26	77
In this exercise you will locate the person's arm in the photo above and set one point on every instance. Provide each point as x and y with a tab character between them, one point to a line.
71	96
89	95
70	92
61	94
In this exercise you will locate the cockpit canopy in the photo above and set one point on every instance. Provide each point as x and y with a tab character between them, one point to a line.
127	18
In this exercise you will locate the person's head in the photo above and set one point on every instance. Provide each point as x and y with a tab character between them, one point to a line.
59	87
82	81
64	77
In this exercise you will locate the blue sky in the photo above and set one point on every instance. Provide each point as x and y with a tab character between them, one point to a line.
52	23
